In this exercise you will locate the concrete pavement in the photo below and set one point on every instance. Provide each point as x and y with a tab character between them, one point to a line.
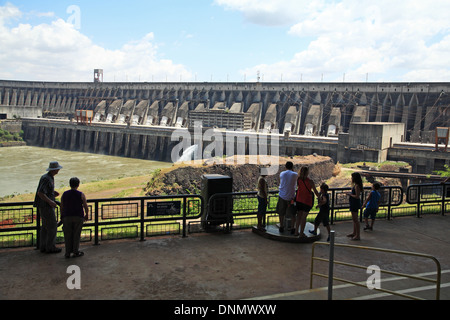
240	265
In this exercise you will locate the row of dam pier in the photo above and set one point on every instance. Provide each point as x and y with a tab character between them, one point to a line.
308	109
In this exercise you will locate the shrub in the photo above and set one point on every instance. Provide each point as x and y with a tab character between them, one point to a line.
6	136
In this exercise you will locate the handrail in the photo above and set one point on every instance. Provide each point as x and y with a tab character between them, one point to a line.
420	194
139	215
424	193
413	254
242	206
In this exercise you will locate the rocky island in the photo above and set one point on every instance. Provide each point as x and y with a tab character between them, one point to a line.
185	178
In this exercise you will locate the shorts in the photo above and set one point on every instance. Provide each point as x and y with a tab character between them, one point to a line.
262	206
322	216
282	206
303	207
370	213
355	206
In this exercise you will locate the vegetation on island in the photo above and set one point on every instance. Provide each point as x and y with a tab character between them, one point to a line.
6	136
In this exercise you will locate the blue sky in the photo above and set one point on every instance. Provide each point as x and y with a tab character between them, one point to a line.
225	40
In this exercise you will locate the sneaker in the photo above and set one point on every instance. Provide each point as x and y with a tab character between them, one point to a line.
78	254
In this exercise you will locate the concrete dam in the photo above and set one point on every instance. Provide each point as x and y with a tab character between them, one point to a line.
137	119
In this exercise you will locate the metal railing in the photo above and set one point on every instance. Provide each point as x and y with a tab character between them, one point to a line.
139	217
391	197
109	219
331	261
238	210
429	198
143	217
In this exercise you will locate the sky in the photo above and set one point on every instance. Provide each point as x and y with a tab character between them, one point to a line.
225	40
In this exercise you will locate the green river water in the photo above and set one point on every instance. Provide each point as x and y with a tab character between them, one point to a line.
21	168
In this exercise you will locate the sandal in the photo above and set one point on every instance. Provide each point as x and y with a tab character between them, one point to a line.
351	235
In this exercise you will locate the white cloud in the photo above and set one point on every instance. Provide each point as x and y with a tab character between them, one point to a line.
59	52
404	40
271	12
45	14
9	12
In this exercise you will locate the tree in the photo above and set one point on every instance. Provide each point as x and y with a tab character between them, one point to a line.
444	173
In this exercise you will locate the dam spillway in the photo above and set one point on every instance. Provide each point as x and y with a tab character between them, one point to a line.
311	109
138	119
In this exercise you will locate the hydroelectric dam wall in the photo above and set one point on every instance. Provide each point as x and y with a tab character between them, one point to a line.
138	119
312	109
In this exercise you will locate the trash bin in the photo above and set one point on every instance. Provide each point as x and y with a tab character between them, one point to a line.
219	209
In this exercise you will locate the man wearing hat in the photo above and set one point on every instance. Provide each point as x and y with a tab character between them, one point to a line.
46	203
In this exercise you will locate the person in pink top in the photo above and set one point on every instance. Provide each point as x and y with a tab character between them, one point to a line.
304	200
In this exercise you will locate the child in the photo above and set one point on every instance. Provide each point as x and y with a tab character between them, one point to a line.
371	205
263	194
323	215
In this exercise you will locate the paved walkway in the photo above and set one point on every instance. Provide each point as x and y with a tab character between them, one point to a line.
240	265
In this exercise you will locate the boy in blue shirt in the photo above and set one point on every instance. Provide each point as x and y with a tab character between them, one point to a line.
371	205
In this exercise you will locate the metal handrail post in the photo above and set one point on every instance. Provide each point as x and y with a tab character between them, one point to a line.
361	210
389	204
184	216
312	266
229	213
38	228
333	194
142	220
331	266
96	224
419	195
443	199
